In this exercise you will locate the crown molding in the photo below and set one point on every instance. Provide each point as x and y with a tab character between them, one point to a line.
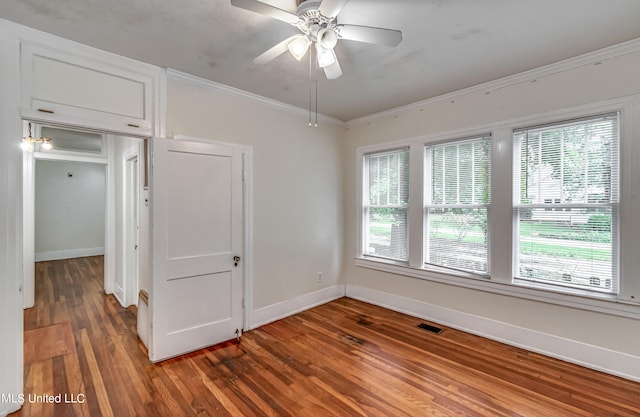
176	75
589	58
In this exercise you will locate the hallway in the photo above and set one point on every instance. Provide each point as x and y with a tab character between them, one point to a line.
70	334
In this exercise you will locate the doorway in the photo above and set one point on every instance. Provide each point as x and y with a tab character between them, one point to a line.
118	157
207	242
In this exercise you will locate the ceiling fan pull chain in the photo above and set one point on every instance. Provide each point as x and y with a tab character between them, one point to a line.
310	78
316	77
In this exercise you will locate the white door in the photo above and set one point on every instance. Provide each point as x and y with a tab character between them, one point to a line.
197	276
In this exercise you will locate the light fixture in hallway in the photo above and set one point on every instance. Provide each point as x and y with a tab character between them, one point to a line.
28	141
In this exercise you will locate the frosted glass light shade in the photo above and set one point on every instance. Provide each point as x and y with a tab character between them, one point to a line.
326	57
299	46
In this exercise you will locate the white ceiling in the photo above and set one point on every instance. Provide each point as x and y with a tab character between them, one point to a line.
447	44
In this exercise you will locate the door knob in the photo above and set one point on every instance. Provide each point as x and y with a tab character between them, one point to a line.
236	259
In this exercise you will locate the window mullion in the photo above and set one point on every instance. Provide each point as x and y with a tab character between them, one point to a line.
427	189
415	210
501	215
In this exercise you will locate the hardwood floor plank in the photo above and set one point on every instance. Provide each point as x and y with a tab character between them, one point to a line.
47	342
166	396
75	385
256	398
228	405
104	405
271	382
345	358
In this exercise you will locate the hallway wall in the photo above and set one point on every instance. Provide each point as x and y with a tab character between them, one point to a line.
69	209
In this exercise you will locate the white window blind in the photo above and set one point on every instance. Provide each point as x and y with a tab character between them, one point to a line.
457	197
386	199
566	192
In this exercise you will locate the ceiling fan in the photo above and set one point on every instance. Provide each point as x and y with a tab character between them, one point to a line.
317	20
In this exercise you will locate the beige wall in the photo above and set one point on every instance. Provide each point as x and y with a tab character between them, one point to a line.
612	78
297	185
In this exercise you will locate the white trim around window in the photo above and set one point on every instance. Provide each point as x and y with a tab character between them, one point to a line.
501	279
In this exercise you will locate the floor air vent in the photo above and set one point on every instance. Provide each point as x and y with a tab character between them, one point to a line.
430	328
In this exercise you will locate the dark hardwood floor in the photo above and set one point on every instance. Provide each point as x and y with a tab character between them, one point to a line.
345	358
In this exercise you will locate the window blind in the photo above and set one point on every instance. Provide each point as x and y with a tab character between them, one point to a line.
566	182
457	194
385	204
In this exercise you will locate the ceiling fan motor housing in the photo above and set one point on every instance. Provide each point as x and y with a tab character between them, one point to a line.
312	22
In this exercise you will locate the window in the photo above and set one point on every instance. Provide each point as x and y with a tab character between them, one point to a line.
566	192
533	207
67	140
386	198
457	194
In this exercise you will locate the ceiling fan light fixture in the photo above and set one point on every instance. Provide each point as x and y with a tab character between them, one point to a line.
326	56
299	47
328	38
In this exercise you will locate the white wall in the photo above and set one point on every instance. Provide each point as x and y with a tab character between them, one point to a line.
69	210
605	341
297	185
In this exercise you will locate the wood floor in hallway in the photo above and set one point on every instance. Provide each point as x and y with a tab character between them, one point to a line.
345	358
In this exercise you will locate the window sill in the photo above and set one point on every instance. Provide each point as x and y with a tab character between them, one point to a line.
602	303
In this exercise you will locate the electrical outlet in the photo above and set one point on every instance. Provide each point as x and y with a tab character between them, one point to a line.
319	279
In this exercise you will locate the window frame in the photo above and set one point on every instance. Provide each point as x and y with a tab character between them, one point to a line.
428	204
366	207
503	232
557	205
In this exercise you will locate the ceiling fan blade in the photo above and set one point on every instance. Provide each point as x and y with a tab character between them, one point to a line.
333	71
266	9
369	34
331	8
274	52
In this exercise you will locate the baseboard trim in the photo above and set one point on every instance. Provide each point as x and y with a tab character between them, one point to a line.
601	359
119	295
277	311
68	254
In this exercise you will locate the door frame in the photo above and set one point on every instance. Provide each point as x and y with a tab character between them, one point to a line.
247	215
131	202
110	235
